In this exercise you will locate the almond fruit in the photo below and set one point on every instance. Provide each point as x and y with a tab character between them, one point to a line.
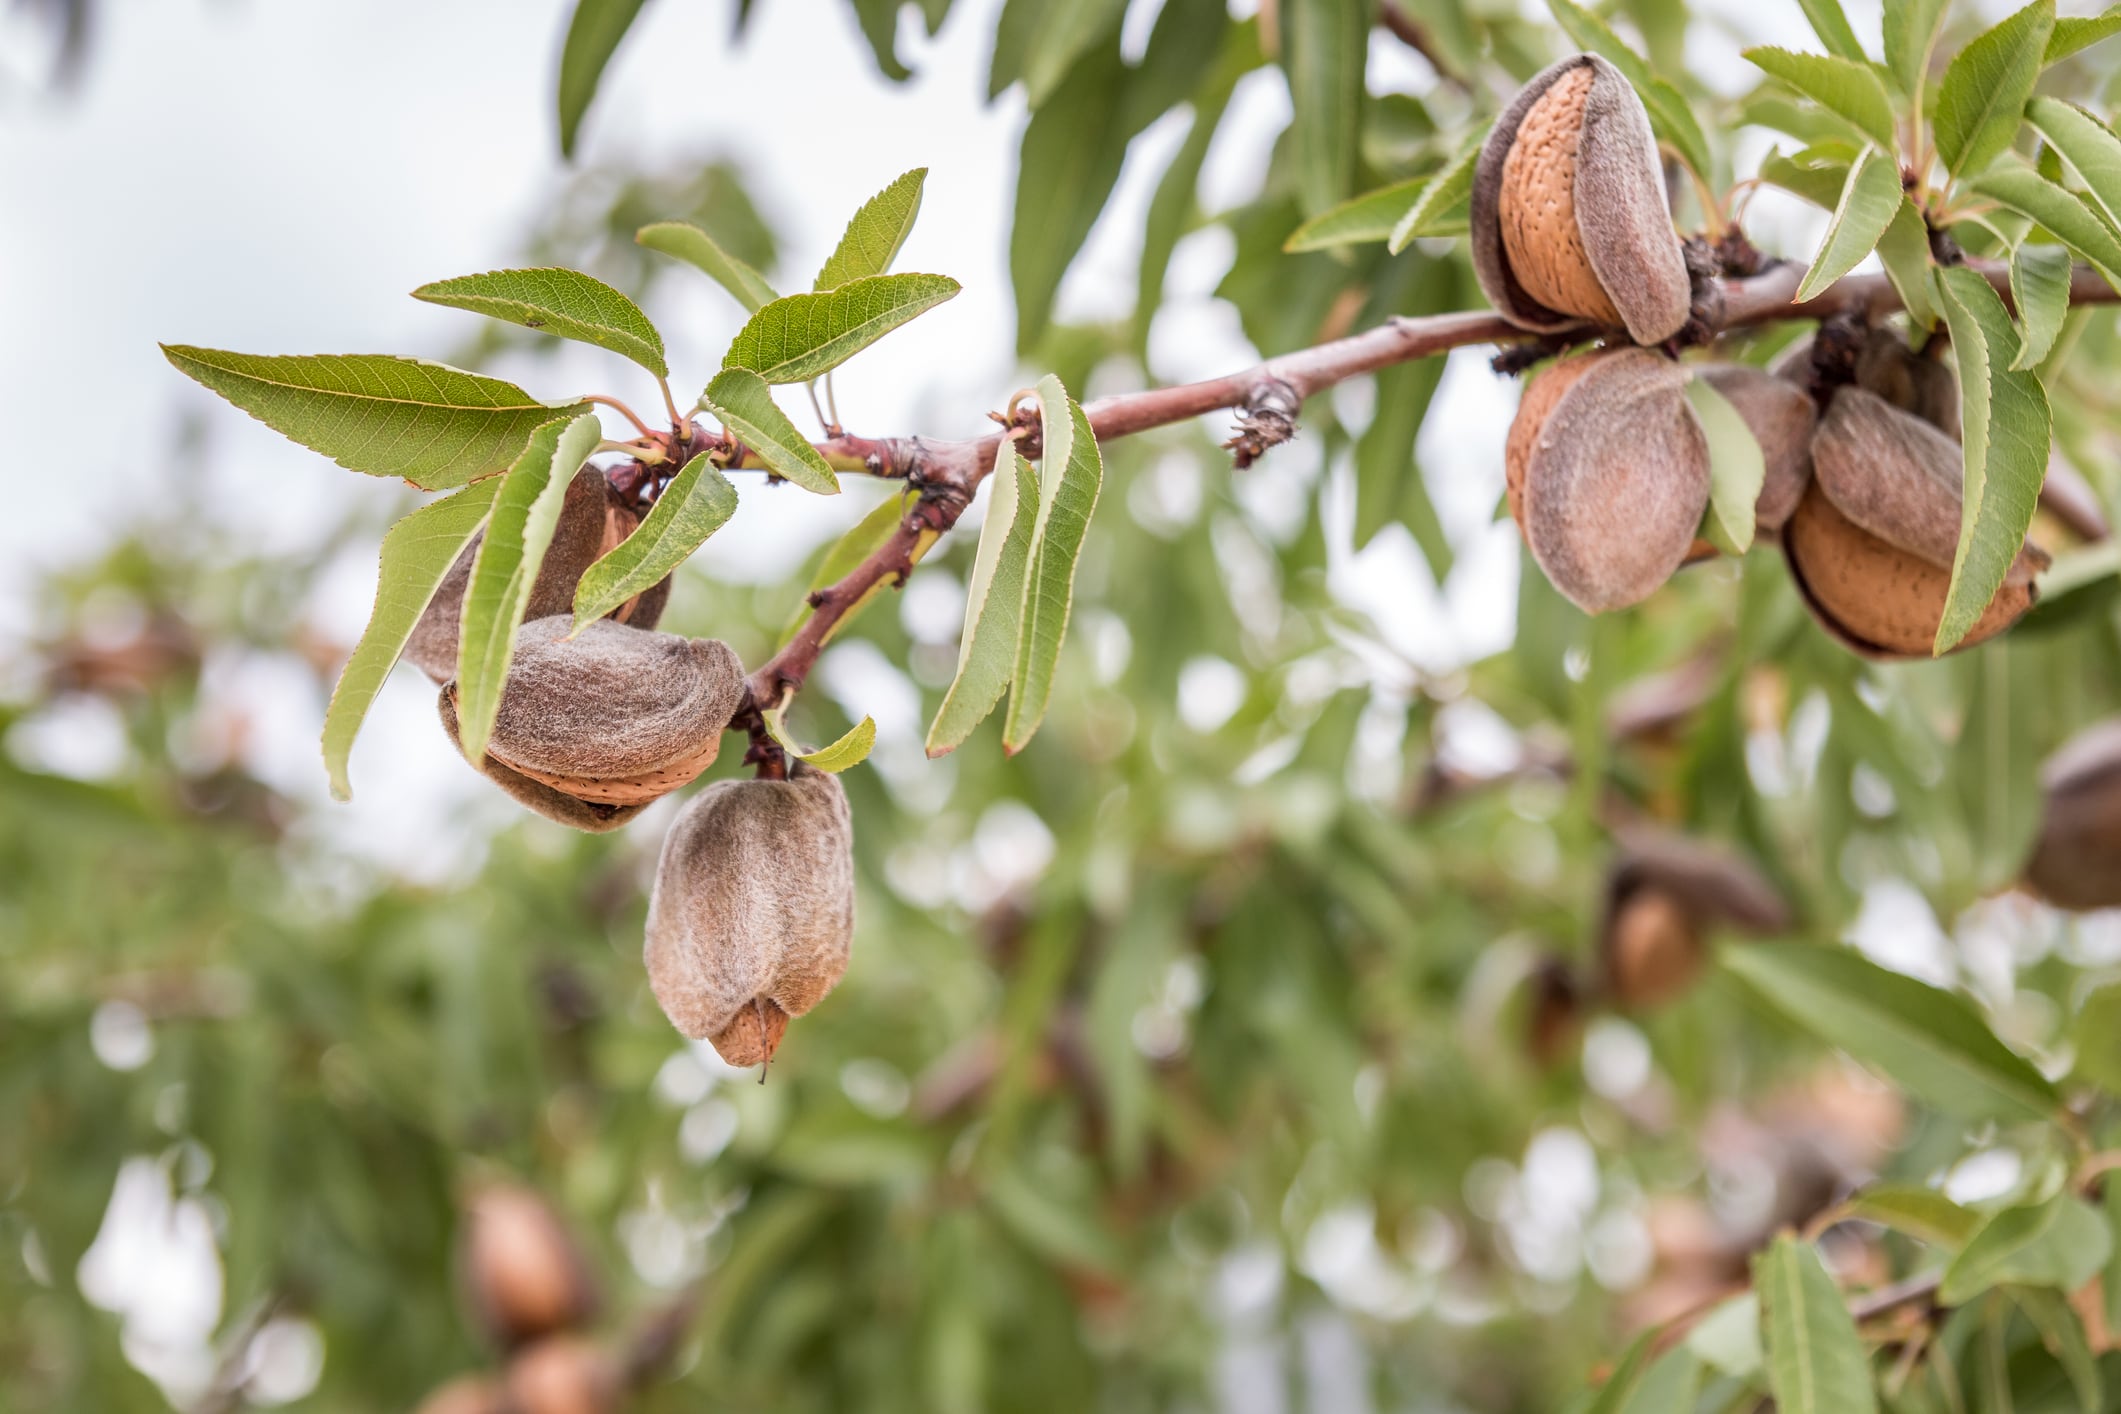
2076	862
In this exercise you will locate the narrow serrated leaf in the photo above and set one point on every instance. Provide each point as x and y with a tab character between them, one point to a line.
798	337
994	603
1070	473
873	238
850	750
562	302
1931	1042
436	426
525	512
1447	190
2060	1243
417	552
1983	93
1870	199
2040	289
694	246
1736	468
1369	217
1070	157
1850	89
1815	174
2062	212
2005	426
1670	115
1816	1363
744	404
1904	252
1910	28
1325	44
2087	145
593	36
1832	26
698	501
2072	33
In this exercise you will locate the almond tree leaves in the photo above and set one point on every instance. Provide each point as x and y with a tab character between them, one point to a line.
1904	251
2062	1243
1849	89
563	302
1816	1363
2065	214
1369	217
745	406
1736	468
1831	24
2087	145
1441	207
1070	474
1910	31
1325	45
2072	34
1071	156
1931	1042
593	36
1670	113
1870	199
2040	289
873	238
994	601
525	513
696	503
436	426
691	244
798	337
417	552
1985	88
862	540
2005	425
850	750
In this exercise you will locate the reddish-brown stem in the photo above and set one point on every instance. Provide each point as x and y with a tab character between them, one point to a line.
624	411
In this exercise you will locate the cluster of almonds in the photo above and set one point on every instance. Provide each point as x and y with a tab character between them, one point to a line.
753	908
1607	464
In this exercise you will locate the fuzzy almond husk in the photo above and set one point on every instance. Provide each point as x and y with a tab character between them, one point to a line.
1871	543
593	521
1782	419
1664	895
752	913
615	715
523	1271
1570	222
2076	862
591	817
1913	382
564	1374
1611	475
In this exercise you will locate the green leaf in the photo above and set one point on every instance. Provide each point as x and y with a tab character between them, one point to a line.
689	243
1071	155
2040	289
1670	114
1066	30
744	405
1910	31
2063	1334
2097	1033
994	603
1813	174
1921	1213
563	302
1447	191
525	513
417	553
1369	217
1832	27
1671	1383
436	426
1614	1394
2072	33
798	337
2060	1243
2063	213
1736	468
879	24
1904	251
1070	473
1931	1042
1325	44
1983	94
850	750
1728	1338
1849	89
873	238
2087	145
698	501
2005	425
593	36
1816	1363
1870	199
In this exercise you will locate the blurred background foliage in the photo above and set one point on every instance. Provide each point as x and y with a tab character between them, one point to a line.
1246	1044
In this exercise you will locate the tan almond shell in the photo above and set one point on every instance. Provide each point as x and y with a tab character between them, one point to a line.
1615	480
752	913
1782	419
587	816
2076	862
1533	407
615	714
592	523
1570	222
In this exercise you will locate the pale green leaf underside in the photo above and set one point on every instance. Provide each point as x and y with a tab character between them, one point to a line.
1736	468
873	238
1930	1042
1447	192
2040	289
2005	426
1070	473
1985	88
1816	1362
2087	145
695	247
850	750
745	406
1728	1338
2062	1242
1851	90
1921	1213
698	501
525	514
417	552
1869	200
2062	212
2072	33
994	602
1369	217
1904	252
436	426
565	303
798	337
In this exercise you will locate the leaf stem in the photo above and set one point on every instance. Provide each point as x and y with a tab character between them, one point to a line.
670	405
624	411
